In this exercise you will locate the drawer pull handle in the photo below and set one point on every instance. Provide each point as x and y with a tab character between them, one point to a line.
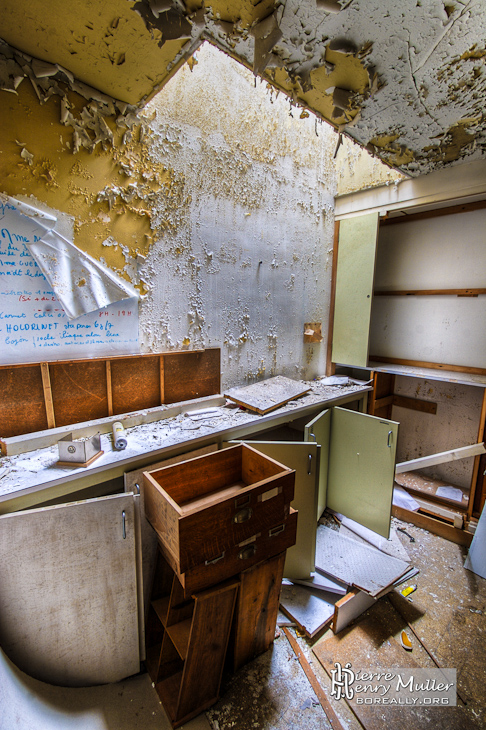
243	515
309	464
276	530
247	552
214	560
242	501
124	525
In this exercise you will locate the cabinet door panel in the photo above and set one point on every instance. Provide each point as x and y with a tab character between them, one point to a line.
362	468
354	289
304	458
319	431
68	599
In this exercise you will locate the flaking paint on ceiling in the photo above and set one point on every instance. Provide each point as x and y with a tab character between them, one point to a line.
407	80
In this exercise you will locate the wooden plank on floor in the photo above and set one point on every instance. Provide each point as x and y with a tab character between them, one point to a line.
461	537
321	695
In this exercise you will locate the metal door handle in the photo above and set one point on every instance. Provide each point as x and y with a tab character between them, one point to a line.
389	443
309	465
124	525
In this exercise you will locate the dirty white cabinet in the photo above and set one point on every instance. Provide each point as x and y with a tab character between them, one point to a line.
69	593
346	463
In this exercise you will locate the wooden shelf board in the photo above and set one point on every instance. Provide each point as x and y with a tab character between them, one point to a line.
423	486
161	607
168	691
179	634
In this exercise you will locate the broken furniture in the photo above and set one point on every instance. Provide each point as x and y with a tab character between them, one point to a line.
413	319
222	515
32	483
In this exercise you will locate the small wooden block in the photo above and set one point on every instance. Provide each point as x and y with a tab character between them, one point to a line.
77	464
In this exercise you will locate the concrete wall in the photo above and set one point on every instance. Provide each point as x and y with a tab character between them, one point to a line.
217	204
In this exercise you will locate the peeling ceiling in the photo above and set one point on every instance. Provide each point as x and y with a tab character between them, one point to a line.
404	79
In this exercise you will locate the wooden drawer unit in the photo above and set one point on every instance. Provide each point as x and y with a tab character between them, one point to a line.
202	507
238	558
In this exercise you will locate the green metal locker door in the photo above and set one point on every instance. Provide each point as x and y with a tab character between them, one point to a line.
304	458
354	289
362	468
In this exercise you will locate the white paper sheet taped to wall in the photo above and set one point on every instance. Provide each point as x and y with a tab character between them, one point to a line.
81	284
34	325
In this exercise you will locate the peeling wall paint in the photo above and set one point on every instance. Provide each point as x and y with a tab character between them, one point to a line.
357	169
216	201
245	258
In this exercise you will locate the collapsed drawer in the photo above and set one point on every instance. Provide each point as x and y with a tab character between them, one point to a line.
203	506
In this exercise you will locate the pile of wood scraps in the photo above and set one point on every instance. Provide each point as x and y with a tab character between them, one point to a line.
351	575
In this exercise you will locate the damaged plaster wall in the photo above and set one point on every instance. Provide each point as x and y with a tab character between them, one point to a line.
216	201
455	424
244	259
358	170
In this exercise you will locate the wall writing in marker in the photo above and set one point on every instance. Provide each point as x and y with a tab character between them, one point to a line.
33	325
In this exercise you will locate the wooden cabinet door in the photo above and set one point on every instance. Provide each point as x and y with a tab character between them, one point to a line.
362	468
354	289
68	598
319	431
304	458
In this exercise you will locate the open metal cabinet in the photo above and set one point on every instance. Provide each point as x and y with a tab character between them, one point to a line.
346	461
69	591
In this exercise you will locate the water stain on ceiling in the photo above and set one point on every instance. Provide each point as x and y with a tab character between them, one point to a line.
406	80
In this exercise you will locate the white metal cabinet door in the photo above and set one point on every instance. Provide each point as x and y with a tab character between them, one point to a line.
68	591
354	289
304	458
362	468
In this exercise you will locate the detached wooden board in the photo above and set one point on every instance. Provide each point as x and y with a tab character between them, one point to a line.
268	395
355	563
68	599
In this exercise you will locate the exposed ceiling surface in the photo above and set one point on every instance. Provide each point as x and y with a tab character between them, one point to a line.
405	79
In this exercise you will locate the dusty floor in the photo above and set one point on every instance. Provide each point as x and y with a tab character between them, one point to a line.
448	614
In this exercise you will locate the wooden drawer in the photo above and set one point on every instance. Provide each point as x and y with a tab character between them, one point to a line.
237	558
202	507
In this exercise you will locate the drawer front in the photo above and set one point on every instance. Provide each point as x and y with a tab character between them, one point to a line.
236	559
209	532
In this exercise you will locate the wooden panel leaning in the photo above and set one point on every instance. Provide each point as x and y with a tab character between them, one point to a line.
202	507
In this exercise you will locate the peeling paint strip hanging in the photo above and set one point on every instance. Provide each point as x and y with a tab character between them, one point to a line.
338	144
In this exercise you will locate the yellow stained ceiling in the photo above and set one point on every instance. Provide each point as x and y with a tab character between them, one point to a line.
411	71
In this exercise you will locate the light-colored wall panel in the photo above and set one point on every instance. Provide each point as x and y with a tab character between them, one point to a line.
439	329
444	252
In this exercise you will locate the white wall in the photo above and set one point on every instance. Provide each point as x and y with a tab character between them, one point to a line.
455	424
445	252
245	259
